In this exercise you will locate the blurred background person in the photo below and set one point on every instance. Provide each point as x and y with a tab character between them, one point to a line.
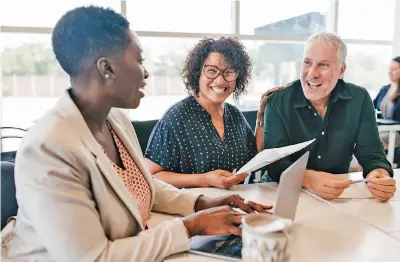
387	101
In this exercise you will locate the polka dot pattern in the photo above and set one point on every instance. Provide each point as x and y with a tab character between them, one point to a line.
186	141
133	179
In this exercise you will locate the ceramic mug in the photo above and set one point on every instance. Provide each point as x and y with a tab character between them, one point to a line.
265	238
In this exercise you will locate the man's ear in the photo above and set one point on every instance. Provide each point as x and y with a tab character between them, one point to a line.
342	70
104	67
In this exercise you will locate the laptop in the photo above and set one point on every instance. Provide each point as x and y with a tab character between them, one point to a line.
229	247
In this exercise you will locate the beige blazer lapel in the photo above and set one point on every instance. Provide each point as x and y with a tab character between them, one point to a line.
67	108
136	155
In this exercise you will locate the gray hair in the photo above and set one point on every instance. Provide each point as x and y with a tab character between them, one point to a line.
333	41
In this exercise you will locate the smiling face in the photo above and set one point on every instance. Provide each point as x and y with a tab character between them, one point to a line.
320	71
394	72
128	82
216	90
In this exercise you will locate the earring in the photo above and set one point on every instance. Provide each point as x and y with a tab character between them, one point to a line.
107	76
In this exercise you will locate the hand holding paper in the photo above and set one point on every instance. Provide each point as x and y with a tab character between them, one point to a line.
268	156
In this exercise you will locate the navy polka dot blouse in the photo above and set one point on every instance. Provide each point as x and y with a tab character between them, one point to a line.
186	141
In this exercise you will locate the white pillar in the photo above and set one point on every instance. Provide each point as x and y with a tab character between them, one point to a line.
235	16
396	35
123	8
332	18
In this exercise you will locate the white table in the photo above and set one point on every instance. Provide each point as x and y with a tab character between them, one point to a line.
384	216
396	235
323	231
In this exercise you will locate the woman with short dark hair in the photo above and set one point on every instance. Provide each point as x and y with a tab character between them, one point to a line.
201	140
83	189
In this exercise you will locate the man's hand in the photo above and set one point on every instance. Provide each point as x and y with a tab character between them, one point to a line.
326	185
223	179
263	101
235	201
380	184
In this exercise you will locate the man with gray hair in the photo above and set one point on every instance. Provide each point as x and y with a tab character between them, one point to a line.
339	115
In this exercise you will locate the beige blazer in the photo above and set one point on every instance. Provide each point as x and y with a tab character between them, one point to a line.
73	206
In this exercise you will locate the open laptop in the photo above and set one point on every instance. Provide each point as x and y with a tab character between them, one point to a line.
229	247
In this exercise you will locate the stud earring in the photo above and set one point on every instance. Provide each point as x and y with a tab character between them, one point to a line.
107	76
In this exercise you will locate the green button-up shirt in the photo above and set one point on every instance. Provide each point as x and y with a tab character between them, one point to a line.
349	127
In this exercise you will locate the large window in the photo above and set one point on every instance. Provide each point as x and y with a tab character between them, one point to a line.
371	19
44	13
206	16
274	63
367	66
283	17
31	78
163	60
272	31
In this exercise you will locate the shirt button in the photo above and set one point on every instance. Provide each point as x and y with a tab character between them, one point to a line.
315	114
309	107
323	133
319	157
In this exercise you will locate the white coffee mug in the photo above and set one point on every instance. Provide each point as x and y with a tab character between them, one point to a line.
265	238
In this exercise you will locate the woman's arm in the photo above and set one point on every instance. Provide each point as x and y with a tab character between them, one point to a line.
215	178
54	193
259	133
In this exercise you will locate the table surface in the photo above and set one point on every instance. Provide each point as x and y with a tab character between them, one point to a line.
381	121
340	230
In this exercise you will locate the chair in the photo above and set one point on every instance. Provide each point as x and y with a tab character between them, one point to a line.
9	204
251	117
9	150
143	130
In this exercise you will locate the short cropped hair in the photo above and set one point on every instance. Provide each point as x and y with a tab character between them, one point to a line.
234	53
332	40
85	34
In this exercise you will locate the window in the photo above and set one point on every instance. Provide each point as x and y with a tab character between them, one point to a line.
44	13
360	19
31	78
207	16
164	61
367	66
275	18
274	63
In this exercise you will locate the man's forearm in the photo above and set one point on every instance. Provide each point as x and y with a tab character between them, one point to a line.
309	177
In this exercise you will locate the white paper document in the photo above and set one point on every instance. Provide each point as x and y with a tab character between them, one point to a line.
356	191
268	156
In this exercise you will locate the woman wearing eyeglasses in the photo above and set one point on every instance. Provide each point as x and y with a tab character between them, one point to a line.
201	141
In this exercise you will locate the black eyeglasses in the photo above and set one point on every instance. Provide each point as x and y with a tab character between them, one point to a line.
212	72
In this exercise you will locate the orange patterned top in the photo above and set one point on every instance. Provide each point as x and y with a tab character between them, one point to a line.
133	178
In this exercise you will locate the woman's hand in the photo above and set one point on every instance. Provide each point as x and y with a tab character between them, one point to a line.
223	179
263	101
235	201
214	221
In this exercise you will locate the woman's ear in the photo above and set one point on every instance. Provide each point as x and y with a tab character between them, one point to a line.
104	67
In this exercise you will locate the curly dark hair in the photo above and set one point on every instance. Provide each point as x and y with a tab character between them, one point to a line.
85	34
235	55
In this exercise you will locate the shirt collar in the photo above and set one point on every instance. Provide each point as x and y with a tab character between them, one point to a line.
340	91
